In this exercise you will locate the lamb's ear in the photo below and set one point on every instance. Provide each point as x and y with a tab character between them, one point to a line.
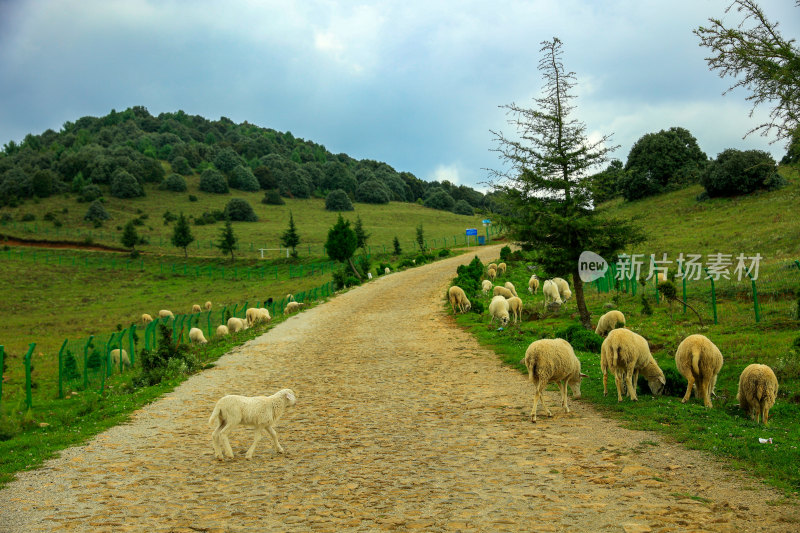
662	379
584	375
290	397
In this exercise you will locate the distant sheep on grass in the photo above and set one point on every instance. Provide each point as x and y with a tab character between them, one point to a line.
699	361
196	336
609	321
549	360
458	299
758	388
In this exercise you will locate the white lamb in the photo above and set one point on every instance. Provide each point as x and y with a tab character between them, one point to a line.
115	358
196	336
510	286
165	313
758	388
208	305
515	307
255	315
236	324
458	299
491	274
626	354
386	270
550	360
222	330
498	308
491	266
196	308
486	286
501	269
533	284
146	319
501	291
699	361
563	288
609	321
292	307
550	291
259	412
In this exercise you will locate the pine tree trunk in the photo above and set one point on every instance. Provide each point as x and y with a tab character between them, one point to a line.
350	260
577	282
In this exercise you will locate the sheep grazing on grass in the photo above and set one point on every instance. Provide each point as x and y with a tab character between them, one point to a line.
115	358
533	284
498	308
292	307
627	354
222	330
259	412
236	324
515	307
196	308
609	321
386	270
491	266
510	286
501	291
255	315
458	299
486	286
165	313
146	319
550	360
758	388
196	336
491	274
501	269
550	291
208	305
563	288
699	361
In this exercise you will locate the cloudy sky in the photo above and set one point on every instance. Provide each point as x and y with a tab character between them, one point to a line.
415	84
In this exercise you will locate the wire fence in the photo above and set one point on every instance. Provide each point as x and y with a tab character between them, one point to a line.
773	296
86	363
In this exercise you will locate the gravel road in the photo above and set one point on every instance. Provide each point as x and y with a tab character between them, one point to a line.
403	423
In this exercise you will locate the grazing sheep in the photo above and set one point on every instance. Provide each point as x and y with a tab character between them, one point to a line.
627	354
196	308
563	288
758	388
458	298
146	319
208	305
533	284
236	324
264	312
609	321
515	307
165	313
196	336
290	297
386	270
222	330
115	358
550	291
255	315
292	307
510	286
699	361
501	291
491	274
486	286
259	412
550	360
498	308
491	266
661	277
501	269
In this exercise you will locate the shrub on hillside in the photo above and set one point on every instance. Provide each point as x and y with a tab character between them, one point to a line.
581	338
240	210
440	200
89	193
167	361
212	180
736	172
337	200
124	185
181	165
96	212
272	197
469	277
242	179
174	182
462	207
373	192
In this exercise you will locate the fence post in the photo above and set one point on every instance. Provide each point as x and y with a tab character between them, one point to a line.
208	320
2	352
655	286
86	361
132	344
713	296
60	370
756	307
684	294
28	397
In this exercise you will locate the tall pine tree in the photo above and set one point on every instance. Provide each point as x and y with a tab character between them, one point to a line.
290	238
227	240
361	234
182	234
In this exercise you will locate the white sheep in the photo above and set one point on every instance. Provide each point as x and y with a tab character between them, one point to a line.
196	336
563	288
259	412
699	361
515	307
510	286
550	292
491	266
236	324
255	315
609	321
222	330
386	270
208	305
458	299
292	307
165	313
264	312
550	360
533	284
501	269
491	274
486	286
501	291
758	388
115	358
196	308
626	354
498	308
146	319
661	277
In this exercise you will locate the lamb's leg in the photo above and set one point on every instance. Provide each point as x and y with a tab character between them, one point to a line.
540	390
629	377
605	382
563	387
618	381
705	390
223	436
275	439
257	438
215	442
688	394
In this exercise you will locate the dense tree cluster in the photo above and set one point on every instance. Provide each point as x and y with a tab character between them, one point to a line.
93	156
